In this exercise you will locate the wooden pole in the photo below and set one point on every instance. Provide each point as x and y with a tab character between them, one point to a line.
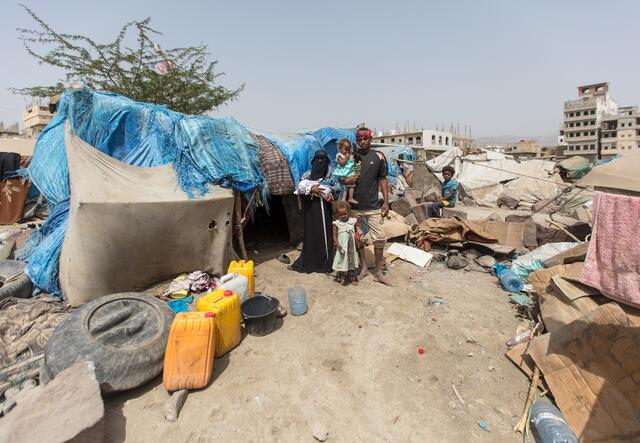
239	223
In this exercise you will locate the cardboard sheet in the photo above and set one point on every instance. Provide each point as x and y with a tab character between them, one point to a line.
593	370
572	290
508	234
413	255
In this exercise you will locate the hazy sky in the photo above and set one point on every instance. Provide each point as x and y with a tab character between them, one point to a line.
504	67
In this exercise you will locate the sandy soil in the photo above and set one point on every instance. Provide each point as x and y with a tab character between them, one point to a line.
351	367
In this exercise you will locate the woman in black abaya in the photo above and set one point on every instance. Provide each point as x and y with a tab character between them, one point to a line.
317	248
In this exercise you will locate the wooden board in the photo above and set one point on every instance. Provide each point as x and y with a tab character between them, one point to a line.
593	370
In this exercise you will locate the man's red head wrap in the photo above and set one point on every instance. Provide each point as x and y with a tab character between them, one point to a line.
363	132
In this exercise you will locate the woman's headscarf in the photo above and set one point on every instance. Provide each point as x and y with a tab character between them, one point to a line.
319	165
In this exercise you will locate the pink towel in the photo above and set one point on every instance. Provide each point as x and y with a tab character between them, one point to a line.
613	258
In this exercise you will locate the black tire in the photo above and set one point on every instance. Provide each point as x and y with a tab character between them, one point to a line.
125	335
20	286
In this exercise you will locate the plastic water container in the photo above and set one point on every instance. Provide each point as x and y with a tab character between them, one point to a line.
188	359
298	300
245	268
549	425
226	306
237	283
509	280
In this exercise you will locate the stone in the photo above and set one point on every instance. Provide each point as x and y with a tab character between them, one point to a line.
486	261
456	262
320	433
174	405
60	411
506	200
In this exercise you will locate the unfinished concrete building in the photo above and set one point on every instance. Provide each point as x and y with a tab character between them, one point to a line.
584	116
36	118
526	148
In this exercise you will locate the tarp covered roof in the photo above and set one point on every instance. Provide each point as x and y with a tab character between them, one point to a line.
622	173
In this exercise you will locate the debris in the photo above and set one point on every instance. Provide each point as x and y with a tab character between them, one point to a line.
458	396
470	354
524	336
413	255
455	261
284	258
437	301
421	351
486	261
530	397
452	404
483	425
181	304
469	339
174	404
319	431
282	312
509	280
520	299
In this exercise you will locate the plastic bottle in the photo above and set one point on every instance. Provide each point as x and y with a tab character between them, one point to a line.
509	280
549	426
297	300
520	338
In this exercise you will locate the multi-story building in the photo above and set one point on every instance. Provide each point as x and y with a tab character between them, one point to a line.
628	133
36	118
584	116
527	148
431	140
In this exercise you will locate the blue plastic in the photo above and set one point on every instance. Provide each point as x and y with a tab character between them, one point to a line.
297	300
509	280
202	150
549	425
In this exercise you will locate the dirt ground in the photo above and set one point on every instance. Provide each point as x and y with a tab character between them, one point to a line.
351	367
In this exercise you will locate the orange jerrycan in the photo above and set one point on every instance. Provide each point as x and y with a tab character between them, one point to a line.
245	268
226	306
188	360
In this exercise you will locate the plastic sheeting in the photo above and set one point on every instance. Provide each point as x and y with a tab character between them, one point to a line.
529	181
130	227
201	150
299	148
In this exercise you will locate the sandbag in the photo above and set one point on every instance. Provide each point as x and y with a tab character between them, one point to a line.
130	227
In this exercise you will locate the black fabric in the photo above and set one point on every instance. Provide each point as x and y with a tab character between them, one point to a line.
314	253
372	169
319	166
9	164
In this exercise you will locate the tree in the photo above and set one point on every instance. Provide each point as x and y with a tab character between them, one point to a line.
181	78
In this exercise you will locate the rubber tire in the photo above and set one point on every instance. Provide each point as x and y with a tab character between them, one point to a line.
21	286
125	335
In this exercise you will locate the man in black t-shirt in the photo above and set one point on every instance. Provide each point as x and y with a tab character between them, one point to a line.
372	176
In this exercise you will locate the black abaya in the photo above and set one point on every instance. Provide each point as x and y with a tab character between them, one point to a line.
314	253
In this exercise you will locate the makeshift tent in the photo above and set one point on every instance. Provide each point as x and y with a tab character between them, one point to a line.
575	167
201	150
131	226
622	173
529	181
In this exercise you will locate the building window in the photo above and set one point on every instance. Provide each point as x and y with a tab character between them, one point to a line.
433	139
593	111
393	140
571	125
592	133
593	146
446	141
418	138
382	140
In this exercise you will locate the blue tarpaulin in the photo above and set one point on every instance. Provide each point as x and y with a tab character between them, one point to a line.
202	150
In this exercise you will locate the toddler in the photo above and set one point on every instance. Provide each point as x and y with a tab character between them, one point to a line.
346	259
345	168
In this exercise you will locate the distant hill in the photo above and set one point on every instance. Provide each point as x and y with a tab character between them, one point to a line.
546	140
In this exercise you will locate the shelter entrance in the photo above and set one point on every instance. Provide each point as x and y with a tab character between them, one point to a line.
267	232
